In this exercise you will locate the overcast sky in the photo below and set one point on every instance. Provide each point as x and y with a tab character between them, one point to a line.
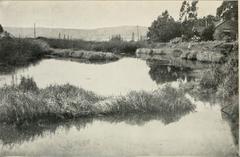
92	14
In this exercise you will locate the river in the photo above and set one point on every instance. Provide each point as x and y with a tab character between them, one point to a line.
200	133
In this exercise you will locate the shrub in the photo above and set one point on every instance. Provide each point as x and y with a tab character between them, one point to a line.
21	51
211	79
207	33
27	84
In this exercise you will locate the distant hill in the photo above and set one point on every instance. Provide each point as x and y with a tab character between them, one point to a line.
99	34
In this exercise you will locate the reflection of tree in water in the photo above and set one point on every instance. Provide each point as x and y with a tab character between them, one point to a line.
162	73
11	69
11	135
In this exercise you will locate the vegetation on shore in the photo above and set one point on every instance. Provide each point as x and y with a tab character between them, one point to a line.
26	103
204	51
221	81
114	46
15	51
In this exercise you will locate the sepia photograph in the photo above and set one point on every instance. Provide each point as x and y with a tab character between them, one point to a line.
119	78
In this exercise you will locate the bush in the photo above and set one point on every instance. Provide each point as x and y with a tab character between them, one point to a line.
21	51
223	78
27	84
207	33
211	79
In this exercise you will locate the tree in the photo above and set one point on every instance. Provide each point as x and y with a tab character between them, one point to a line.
188	18
116	38
164	28
207	33
188	11
228	10
1	28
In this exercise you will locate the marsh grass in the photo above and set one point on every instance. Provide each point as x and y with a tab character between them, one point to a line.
21	106
114	46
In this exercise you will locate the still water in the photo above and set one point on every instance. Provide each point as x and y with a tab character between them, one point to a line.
200	133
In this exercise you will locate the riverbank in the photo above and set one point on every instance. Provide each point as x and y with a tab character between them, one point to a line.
221	83
27	103
208	52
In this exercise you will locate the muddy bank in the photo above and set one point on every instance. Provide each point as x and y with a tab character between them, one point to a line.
208	52
83	54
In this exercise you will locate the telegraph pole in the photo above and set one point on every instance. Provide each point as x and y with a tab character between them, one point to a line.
133	38
34	30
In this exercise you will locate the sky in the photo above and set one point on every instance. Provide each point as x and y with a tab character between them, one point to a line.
92	14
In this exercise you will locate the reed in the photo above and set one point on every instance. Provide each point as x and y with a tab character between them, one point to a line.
20	105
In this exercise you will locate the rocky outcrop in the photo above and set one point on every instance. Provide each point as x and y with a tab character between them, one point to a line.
213	52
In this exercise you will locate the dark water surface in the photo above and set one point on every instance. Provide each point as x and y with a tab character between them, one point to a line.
200	133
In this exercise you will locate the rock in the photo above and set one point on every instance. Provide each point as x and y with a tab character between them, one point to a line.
209	56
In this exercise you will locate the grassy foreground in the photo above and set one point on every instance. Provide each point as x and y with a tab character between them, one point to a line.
27	103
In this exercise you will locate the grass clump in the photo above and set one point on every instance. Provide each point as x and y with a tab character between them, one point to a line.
165	100
24	103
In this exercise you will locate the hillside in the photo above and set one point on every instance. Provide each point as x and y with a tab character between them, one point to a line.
99	34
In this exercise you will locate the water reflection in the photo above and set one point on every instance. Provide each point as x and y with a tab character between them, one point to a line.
10	135
8	69
161	72
114	78
201	133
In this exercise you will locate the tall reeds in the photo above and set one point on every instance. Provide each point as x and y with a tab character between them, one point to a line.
19	105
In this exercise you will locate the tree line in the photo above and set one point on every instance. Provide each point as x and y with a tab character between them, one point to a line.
165	28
